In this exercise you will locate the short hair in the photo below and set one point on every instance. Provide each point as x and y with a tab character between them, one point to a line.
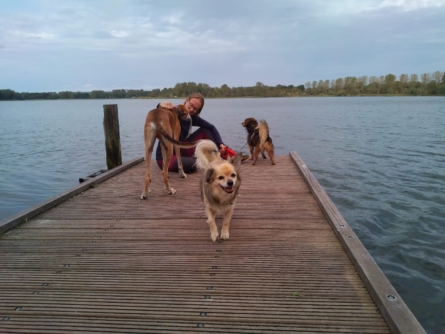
200	98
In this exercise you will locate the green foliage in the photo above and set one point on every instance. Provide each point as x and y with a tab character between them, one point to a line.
429	84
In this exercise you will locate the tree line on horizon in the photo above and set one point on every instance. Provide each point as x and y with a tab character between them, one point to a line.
425	85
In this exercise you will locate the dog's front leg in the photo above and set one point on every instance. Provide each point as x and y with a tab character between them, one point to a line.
211	215
255	155
251	148
262	154
226	223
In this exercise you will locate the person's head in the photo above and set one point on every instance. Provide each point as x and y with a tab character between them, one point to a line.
194	103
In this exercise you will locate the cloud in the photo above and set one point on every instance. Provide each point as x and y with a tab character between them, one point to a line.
172	19
33	35
135	43
410	5
118	34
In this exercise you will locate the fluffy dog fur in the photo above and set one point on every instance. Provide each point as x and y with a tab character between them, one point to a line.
163	124
258	139
219	185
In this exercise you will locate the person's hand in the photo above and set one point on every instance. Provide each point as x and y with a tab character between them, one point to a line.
167	105
222	149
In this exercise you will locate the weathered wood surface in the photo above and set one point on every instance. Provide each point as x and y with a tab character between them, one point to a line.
112	136
105	261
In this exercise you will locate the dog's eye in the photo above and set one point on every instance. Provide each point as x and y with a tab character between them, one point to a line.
233	175
220	177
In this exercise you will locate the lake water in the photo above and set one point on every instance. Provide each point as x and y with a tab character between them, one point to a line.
380	159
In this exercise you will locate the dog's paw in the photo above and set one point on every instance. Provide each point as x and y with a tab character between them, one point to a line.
214	235
172	191
225	235
183	175
144	194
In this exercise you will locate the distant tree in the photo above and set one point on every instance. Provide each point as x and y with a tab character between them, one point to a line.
81	95
404	79
339	84
390	80
118	93
259	89
438	77
203	88
350	85
98	94
362	80
167	92
52	96
154	93
65	95
431	87
300	87
425	78
373	79
225	90
9	94
373	87
326	84
431	84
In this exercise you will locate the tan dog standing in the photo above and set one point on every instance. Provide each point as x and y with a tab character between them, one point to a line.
258	139
219	185
163	124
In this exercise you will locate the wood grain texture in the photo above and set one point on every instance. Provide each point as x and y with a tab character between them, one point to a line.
105	261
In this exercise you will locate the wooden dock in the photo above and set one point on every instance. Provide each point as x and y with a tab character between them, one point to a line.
97	259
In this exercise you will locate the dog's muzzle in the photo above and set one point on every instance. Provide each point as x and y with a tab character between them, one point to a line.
229	187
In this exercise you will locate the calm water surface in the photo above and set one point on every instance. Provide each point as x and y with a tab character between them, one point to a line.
381	160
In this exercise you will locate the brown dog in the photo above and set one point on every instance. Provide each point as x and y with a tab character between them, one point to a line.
163	124
258	139
219	185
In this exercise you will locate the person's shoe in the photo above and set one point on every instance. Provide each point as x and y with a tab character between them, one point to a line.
245	157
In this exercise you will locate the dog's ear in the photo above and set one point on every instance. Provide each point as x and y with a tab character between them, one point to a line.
182	112
209	175
236	160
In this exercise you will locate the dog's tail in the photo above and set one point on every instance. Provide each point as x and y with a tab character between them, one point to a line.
174	141
263	130
206	151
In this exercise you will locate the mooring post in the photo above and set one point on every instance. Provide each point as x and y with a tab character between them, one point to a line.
112	136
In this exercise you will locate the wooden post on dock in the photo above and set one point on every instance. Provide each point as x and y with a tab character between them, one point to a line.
112	136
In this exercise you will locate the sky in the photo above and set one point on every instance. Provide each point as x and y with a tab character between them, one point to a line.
85	45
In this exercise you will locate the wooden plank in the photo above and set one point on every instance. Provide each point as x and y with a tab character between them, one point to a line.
105	261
